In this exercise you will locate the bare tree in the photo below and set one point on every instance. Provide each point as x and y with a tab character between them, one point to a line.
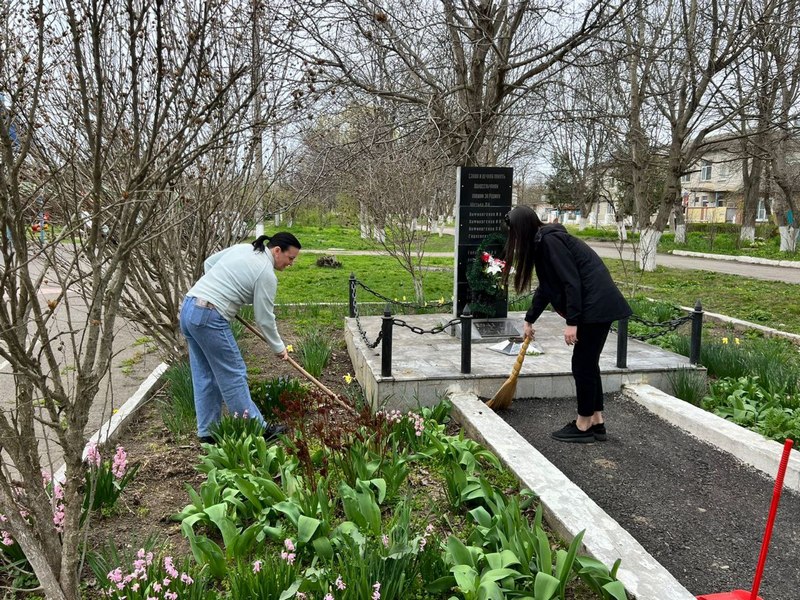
115	112
460	66
701	43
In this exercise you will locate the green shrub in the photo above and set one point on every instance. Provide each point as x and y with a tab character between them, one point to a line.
315	352
177	409
266	394
689	385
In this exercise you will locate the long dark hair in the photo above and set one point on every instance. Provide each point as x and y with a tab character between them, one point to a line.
283	240
523	224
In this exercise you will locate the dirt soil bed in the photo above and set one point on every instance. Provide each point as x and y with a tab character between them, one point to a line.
700	512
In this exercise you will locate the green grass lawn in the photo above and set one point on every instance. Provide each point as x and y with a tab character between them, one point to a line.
349	238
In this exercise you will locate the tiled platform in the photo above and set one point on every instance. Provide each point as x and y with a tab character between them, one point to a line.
425	366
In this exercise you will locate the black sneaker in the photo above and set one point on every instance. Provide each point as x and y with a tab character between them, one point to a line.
273	431
206	439
571	433
599	432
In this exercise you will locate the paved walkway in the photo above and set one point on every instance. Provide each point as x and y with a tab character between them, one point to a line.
697	510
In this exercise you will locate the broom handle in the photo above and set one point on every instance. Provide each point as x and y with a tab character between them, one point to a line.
295	364
773	509
520	357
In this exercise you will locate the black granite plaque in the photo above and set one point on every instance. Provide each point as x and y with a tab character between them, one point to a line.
483	199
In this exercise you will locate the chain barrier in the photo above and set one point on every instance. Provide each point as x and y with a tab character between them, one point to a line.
361	329
420	330
403	304
665	327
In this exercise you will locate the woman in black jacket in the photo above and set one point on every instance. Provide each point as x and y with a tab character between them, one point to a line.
574	280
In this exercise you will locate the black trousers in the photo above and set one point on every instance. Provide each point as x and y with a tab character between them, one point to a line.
586	366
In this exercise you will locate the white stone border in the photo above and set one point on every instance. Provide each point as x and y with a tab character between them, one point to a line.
753	260
567	508
748	446
111	428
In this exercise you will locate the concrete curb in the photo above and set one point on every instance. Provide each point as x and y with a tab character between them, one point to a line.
747	324
753	260
748	446
111	428
567	509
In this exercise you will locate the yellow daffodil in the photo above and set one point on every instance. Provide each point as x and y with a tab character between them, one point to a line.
737	341
441	299
348	379
724	340
290	348
404	298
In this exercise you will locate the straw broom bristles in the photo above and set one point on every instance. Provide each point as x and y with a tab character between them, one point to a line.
505	395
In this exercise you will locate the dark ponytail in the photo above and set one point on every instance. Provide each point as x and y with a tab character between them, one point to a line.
283	240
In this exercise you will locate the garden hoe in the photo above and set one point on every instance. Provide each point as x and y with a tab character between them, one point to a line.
762	558
305	373
505	395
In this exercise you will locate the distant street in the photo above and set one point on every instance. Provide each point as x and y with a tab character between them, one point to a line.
766	272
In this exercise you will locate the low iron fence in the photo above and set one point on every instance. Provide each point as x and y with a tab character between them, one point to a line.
389	321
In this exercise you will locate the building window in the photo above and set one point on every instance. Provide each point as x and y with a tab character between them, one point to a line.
705	172
686	178
761	213
703	201
719	198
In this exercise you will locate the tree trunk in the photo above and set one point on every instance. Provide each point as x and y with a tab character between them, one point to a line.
582	222
747	234
647	248
680	233
788	235
622	231
363	221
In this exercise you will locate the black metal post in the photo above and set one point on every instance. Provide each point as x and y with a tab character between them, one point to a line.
622	343
386	342
697	333
352	295
466	340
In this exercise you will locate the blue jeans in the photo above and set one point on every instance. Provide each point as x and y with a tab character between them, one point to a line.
218	370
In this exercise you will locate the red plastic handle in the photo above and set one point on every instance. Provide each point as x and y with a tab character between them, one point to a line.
773	509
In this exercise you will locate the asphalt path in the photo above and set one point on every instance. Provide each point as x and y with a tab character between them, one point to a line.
132	362
730	267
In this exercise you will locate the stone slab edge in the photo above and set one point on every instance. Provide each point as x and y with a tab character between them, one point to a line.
748	446
111	428
754	260
567	509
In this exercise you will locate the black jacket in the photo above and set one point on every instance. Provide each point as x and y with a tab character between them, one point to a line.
574	280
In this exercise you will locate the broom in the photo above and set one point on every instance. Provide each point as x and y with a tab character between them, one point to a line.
305	373
505	395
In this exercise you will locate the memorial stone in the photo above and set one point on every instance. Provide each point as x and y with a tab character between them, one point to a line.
483	198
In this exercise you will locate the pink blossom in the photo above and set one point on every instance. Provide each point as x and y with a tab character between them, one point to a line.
385	540
300	596
289	544
185	578
166	581
93	455
58	517
156	587
115	576
135	586
58	491
376	594
288	557
46	477
170	595
328	596
257	566
120	463
7	539
169	567
340	585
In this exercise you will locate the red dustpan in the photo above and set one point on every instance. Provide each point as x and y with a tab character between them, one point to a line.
762	558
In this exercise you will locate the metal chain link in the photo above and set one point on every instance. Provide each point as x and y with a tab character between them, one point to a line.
404	304
665	326
420	330
361	329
